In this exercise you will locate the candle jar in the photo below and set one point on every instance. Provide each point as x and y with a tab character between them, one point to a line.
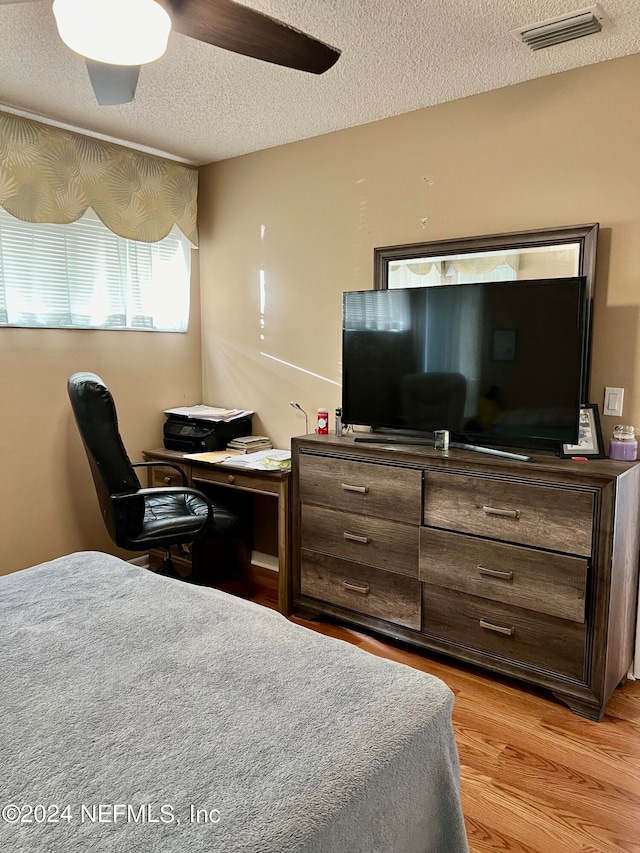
623	446
441	439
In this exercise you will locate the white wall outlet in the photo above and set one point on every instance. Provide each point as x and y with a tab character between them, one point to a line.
613	398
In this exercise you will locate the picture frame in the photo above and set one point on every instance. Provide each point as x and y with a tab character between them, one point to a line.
590	442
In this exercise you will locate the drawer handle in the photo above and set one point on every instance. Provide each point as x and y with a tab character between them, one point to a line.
363	490
500	629
508	513
356	587
352	537
492	573
167	480
231	479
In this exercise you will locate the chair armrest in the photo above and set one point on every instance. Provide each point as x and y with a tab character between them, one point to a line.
185	481
163	490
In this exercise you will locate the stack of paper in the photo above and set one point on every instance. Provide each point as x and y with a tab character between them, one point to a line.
213	457
263	460
209	413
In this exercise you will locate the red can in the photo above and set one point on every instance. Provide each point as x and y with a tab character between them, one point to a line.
323	422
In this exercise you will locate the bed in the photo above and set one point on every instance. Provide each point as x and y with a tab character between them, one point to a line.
142	714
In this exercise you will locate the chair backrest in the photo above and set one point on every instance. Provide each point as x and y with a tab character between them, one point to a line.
97	421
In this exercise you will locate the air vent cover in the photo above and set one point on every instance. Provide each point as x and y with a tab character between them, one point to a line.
584	22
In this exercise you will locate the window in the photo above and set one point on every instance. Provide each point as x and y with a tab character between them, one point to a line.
83	276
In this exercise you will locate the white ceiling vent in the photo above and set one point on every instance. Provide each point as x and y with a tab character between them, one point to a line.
575	25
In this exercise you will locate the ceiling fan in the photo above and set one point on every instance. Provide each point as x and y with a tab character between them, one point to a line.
116	37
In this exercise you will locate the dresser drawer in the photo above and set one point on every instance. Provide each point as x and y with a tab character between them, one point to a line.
365	539
384	595
544	516
536	580
249	481
163	476
521	636
363	487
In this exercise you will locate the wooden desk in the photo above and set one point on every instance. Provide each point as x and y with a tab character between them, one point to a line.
265	483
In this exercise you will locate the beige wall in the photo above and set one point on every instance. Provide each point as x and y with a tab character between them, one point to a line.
48	505
306	217
562	150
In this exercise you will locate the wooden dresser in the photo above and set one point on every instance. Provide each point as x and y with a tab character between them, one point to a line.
526	568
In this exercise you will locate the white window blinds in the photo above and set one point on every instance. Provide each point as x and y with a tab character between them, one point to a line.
380	310
82	275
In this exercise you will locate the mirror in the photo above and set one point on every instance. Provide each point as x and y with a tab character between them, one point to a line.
519	256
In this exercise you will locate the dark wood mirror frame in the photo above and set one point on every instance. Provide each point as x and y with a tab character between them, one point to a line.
584	235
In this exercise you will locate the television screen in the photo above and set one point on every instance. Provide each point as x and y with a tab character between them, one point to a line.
492	362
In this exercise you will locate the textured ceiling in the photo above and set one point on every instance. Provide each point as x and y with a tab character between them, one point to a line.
200	104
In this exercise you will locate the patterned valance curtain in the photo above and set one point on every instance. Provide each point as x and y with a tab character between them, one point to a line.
482	264
472	264
48	174
422	268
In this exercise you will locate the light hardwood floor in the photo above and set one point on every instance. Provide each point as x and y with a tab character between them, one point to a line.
535	777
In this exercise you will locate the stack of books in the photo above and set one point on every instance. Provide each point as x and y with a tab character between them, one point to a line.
249	443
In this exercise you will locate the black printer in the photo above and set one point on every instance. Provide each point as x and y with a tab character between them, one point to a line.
191	435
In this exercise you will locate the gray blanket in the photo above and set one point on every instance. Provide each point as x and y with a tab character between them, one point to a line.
142	715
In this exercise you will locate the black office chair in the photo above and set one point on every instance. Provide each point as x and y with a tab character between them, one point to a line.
137	518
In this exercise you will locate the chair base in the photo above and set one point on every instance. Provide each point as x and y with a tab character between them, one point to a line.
221	563
167	568
216	562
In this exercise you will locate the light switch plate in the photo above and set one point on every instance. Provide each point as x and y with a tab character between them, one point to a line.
613	399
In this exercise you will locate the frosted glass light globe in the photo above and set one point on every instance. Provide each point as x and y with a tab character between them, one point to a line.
119	32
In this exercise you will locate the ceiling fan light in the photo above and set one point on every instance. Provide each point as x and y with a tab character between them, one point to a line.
118	32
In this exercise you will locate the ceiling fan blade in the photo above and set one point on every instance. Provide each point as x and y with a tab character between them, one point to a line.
237	28
113	84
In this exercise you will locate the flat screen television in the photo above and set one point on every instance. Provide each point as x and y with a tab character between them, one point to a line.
495	363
